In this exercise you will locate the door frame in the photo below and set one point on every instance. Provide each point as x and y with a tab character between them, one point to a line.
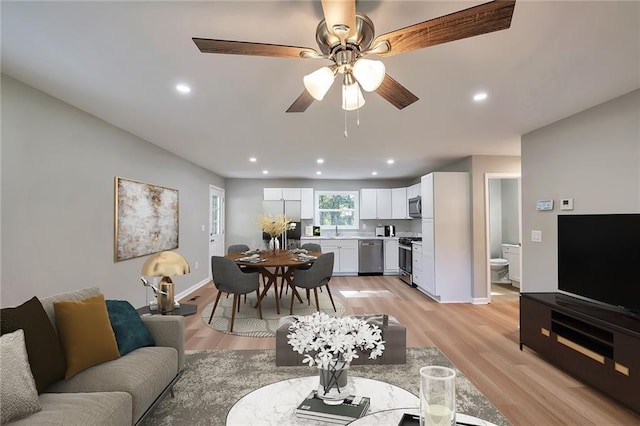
221	193
487	233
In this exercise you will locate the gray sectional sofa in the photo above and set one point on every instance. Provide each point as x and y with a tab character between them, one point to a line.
117	392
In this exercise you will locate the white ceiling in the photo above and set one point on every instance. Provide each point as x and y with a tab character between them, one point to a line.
120	61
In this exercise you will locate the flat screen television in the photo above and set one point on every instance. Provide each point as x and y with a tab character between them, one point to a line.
599	258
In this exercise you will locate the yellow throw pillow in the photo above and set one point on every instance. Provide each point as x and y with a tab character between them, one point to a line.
85	332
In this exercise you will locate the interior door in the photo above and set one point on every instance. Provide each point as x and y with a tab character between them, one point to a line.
216	222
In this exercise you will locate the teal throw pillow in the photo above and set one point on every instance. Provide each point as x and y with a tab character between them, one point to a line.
130	331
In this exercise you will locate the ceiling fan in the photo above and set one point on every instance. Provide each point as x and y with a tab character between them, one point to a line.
345	37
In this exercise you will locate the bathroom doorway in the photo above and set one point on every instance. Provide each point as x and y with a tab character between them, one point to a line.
503	229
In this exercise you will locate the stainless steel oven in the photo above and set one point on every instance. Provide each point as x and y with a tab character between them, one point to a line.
406	258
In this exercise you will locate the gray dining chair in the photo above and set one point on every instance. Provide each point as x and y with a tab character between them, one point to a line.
228	278
311	247
237	248
318	275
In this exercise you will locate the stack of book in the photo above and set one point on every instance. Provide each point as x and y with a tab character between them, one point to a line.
314	408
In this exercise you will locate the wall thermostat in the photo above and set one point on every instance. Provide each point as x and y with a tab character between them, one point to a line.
544	205
566	204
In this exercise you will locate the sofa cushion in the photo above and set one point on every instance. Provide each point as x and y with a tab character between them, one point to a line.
18	394
143	373
130	331
85	332
46	357
81	409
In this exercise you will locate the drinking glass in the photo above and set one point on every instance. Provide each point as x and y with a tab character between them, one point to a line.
437	396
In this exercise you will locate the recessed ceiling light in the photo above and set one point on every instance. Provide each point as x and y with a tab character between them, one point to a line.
374	173
480	96
265	172
183	88
390	161
318	172
253	159
320	161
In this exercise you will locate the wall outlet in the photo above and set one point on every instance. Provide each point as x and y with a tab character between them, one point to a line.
364	226
536	236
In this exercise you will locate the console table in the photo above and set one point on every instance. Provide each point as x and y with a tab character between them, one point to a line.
597	345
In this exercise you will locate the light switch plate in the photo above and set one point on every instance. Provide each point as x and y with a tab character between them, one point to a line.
536	236
544	205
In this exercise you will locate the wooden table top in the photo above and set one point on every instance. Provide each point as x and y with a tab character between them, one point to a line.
277	259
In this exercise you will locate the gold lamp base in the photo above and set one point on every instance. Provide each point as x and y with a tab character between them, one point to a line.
165	295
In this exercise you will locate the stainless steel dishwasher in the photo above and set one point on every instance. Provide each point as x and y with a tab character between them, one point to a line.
370	257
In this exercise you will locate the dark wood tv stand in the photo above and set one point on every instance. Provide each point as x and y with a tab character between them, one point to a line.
599	346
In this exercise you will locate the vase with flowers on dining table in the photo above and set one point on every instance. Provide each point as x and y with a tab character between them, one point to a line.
274	226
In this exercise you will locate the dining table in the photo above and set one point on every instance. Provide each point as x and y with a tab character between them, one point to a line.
276	264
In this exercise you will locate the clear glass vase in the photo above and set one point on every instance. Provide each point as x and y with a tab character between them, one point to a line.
334	384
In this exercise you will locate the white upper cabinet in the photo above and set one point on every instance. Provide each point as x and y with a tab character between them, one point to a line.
427	195
306	206
375	203
413	191
286	194
399	203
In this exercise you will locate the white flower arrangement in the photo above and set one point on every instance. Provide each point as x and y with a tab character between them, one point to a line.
330	338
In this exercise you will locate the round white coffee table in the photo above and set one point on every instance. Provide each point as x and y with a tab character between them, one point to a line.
276	404
392	417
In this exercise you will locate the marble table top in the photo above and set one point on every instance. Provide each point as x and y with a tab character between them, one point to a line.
392	417
276	404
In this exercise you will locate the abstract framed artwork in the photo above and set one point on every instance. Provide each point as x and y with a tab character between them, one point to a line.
146	219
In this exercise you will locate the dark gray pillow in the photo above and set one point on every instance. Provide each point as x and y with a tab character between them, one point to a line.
46	357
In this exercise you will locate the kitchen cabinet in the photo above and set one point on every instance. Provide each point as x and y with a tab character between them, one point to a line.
414	191
375	203
399	203
391	257
345	255
278	194
307	203
512	254
446	237
417	273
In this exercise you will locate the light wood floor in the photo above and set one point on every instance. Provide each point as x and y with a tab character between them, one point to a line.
481	340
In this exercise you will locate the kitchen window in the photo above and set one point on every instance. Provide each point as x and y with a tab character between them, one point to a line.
337	208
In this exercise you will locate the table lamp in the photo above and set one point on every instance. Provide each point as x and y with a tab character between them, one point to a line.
165	264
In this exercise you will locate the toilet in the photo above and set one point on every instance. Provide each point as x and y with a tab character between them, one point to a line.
499	271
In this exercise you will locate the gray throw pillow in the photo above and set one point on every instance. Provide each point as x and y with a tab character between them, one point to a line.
18	395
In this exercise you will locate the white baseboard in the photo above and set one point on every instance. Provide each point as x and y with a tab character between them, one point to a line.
192	289
480	300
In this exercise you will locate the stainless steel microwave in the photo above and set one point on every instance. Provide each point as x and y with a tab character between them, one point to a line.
415	207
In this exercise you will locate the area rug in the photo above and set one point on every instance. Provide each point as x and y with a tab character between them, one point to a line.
247	322
215	379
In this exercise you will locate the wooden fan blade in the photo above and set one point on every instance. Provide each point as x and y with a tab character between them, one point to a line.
340	12
254	49
482	19
303	102
395	93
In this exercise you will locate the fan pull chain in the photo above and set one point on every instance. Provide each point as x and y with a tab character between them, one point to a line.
346	133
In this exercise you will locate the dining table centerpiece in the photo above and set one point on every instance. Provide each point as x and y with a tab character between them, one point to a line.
332	343
274	226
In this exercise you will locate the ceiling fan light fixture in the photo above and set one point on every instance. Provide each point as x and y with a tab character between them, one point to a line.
352	98
318	82
369	73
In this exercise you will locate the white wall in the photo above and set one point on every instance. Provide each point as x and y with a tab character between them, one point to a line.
592	157
58	169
